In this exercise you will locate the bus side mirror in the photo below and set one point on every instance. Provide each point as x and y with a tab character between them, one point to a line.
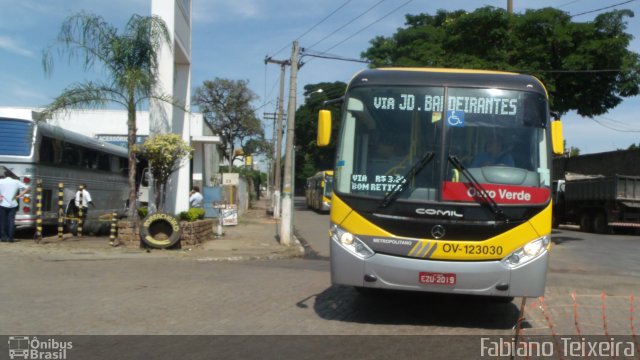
324	128
557	140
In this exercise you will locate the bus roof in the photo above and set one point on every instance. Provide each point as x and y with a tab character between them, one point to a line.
321	174
79	139
448	77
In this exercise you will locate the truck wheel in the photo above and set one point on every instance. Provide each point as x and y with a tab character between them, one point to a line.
585	222
600	223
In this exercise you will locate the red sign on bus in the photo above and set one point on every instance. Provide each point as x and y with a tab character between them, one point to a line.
501	194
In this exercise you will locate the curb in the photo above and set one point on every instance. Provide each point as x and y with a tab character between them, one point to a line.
296	251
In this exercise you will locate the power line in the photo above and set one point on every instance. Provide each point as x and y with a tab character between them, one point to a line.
611	127
320	55
316	25
569	3
579	71
347	23
368	26
273	88
604	8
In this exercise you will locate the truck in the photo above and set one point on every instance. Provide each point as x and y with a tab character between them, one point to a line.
597	203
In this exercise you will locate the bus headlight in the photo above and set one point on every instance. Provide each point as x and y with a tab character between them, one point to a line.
350	242
528	252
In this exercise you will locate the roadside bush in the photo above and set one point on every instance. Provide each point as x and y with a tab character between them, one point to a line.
192	214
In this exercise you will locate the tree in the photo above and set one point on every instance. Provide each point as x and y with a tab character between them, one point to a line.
257	146
130	61
165	154
565	55
226	108
309	157
574	151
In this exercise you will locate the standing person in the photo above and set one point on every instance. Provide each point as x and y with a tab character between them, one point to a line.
86	200
10	190
196	199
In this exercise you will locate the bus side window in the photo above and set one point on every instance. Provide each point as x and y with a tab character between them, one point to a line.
145	178
103	162
58	149
71	155
46	154
90	159
114	163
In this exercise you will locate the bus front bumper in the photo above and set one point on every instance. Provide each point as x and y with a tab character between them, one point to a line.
489	278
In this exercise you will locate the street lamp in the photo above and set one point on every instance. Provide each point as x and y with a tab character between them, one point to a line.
317	91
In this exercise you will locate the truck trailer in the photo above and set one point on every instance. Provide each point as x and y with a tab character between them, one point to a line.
598	204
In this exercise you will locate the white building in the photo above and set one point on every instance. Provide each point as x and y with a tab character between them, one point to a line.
174	79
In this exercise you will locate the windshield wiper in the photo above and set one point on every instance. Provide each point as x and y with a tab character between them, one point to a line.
493	206
398	189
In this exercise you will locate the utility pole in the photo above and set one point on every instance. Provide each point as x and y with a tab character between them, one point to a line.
271	173
510	7
277	176
286	225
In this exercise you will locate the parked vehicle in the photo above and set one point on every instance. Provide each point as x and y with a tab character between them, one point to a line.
38	151
597	203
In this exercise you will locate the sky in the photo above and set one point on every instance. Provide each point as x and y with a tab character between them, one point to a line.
231	39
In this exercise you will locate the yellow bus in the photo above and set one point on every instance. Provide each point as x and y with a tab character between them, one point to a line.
443	182
318	191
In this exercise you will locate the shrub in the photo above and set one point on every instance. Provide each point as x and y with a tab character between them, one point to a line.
142	212
192	215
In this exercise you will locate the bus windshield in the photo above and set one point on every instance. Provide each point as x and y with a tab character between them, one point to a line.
17	137
497	135
328	185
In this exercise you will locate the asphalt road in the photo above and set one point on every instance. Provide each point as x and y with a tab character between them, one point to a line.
590	276
593	282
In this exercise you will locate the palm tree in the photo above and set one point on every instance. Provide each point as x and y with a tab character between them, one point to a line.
129	59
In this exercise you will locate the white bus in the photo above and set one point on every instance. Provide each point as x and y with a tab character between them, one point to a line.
32	150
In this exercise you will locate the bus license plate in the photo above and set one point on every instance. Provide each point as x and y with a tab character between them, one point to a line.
437	278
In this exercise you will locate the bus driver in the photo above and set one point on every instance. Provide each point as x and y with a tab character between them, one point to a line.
493	155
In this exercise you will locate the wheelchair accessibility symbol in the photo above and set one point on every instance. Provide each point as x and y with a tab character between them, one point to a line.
455	118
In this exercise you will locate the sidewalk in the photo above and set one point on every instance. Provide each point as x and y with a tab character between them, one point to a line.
254	238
